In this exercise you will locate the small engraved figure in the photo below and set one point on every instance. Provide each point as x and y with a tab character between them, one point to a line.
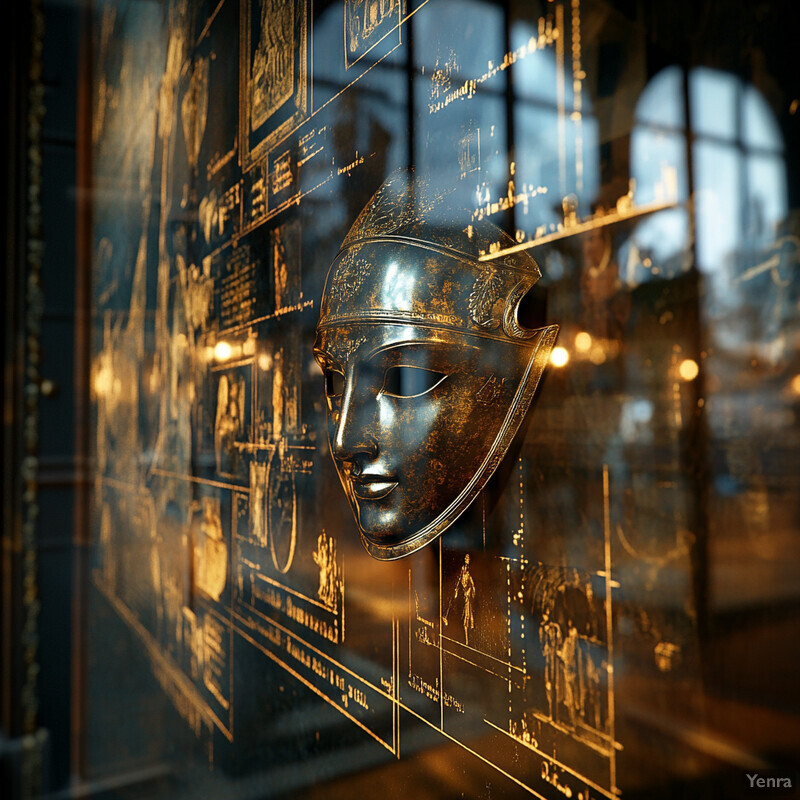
325	558
198	292
550	637
278	395
229	424
569	658
467	587
591	709
210	551
569	206
194	110
366	22
281	271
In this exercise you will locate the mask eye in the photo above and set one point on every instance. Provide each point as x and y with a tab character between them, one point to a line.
334	383
401	381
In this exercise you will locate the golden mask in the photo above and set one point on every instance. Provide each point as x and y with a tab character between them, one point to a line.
428	371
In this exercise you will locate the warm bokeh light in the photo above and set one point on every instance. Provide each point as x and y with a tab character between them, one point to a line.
583	342
795	384
222	351
688	369
559	357
103	382
597	355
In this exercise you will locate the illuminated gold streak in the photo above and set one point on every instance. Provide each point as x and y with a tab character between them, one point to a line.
522	561
602	750
580	227
772	263
677	552
395	710
340	92
441	671
309	157
243	362
473	752
577	98
211	611
397	688
292	201
358	77
165	473
183	683
314	689
214	253
485	669
409	622
394	703
208	23
560	95
121	485
483	503
396	700
294	592
231	629
344	583
271	448
609	626
275	315
610	794
375	44
479	652
309	646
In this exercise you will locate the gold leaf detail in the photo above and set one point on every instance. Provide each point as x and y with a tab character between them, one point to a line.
485	292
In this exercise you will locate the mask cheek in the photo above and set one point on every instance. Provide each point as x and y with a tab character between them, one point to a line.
333	419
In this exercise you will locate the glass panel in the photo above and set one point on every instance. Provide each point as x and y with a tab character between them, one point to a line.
714	97
478	478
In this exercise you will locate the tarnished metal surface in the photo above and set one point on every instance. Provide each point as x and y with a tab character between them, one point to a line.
428	372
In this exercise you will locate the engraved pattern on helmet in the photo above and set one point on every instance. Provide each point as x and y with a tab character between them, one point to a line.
350	275
486	291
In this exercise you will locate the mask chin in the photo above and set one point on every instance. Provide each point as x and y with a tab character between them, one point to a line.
502	431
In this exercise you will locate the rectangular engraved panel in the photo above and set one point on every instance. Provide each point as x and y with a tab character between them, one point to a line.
274	91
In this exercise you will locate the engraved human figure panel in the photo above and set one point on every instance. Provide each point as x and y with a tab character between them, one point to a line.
194	109
231	422
286	264
274	97
210	557
367	23
272	72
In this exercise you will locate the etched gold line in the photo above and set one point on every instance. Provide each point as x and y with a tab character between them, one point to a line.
609	623
308	645
209	22
182	681
294	592
579	227
587	781
475	753
314	689
165	473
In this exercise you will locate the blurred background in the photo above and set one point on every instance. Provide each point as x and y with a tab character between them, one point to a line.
187	610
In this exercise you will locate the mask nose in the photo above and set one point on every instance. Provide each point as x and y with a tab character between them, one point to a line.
354	438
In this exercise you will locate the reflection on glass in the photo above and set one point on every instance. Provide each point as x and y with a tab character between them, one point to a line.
632	563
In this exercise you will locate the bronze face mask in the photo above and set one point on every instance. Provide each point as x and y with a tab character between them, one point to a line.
428	372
